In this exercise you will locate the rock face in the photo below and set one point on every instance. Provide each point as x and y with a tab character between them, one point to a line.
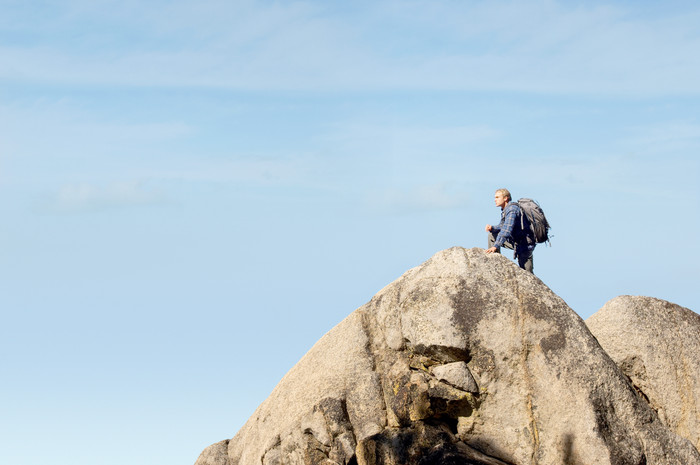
466	359
657	345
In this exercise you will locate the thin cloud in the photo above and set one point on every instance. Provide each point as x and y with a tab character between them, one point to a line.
429	197
667	136
406	139
64	119
80	198
247	170
547	47
644	176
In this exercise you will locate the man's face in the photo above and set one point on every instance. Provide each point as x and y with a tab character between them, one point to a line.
500	199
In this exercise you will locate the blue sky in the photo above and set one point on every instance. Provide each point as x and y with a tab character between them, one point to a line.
193	193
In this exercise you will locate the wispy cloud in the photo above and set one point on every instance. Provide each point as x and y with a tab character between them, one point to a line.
408	140
418	198
63	119
667	137
398	45
80	198
58	142
245	170
646	176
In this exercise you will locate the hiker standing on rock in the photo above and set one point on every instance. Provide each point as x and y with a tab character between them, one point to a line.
513	232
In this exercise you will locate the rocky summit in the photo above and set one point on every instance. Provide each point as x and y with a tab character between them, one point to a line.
467	359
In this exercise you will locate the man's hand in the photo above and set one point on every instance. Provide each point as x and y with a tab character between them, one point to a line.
491	250
488	228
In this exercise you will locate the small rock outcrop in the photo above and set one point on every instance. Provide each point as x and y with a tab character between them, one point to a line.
657	345
466	359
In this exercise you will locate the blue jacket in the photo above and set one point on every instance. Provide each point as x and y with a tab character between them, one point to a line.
514	228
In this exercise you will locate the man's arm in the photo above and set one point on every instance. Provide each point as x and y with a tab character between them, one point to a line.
494	230
507	230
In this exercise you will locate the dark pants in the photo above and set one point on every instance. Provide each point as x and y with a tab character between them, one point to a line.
523	254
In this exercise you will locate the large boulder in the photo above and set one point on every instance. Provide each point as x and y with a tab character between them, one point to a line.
466	359
657	345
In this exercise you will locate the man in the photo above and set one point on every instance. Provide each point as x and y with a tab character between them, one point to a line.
513	232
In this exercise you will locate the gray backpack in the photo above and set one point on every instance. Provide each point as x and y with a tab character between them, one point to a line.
538	222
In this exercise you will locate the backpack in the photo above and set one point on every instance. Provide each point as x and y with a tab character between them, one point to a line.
538	222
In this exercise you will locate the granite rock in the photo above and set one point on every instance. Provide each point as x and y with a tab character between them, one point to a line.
656	344
465	359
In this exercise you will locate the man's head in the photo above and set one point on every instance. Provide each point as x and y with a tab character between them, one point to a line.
502	197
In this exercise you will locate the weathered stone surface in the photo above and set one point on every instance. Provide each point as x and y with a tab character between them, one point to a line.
456	374
657	345
216	454
391	384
